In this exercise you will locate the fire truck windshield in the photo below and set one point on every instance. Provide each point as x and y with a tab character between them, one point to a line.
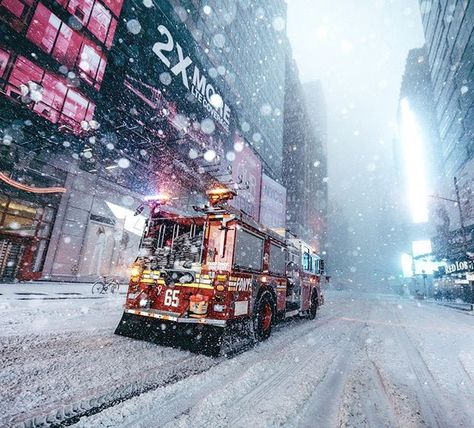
172	243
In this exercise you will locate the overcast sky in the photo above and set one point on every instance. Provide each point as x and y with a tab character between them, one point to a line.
357	48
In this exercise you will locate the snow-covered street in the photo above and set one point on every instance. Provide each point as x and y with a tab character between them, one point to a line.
367	360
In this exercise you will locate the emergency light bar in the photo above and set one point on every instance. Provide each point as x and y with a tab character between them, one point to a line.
161	197
220	194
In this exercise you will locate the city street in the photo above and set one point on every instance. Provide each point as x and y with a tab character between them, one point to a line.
367	360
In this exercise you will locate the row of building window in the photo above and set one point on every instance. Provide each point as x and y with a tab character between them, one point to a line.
97	18
100	20
68	46
45	93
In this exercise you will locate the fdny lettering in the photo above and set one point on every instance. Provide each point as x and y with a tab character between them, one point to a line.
201	89
244	284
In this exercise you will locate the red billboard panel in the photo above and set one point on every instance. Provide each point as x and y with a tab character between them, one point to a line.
247	170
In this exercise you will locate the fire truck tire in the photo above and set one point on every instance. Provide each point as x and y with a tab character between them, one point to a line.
314	306
264	317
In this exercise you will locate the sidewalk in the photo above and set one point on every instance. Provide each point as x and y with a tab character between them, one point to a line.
44	290
459	305
40	308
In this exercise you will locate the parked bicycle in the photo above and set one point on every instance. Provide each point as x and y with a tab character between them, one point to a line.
104	285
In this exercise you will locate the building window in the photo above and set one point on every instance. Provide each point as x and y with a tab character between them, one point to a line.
81	9
24	71
16	7
100	22
75	106
54	93
55	101
67	46
110	36
44	28
92	63
114	5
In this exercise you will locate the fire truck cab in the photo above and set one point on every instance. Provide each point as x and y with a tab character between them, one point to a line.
220	272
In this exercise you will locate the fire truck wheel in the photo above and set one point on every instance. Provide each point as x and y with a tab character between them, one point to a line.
264	317
314	306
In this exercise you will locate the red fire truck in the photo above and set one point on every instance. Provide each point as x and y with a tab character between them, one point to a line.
218	278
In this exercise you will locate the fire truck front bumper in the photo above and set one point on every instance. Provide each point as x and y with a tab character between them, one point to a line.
173	317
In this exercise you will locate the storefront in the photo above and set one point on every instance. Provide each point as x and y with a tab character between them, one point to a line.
456	282
25	230
96	232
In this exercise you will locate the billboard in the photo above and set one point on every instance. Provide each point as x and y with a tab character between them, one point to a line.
273	204
247	170
167	80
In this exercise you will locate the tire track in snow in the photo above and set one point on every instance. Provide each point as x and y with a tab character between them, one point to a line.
66	415
289	371
154	407
430	398
322	408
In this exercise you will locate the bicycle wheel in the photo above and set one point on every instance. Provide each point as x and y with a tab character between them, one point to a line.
114	286
98	287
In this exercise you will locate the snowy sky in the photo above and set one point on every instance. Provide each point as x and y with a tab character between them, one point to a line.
357	48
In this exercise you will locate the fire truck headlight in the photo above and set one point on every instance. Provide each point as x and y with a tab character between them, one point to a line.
143	303
135	271
219	308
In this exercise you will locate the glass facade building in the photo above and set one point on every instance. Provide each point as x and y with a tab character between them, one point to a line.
449	38
449	35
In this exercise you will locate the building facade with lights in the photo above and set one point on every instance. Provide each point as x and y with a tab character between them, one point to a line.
420	172
110	101
449	36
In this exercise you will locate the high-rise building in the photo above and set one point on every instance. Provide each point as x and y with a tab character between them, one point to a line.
317	159
449	36
304	159
106	101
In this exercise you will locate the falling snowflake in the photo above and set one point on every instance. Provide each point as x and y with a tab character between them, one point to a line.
219	40
208	126
134	26
210	155
278	23
238	146
165	78
216	101
123	163
193	154
245	127
265	109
